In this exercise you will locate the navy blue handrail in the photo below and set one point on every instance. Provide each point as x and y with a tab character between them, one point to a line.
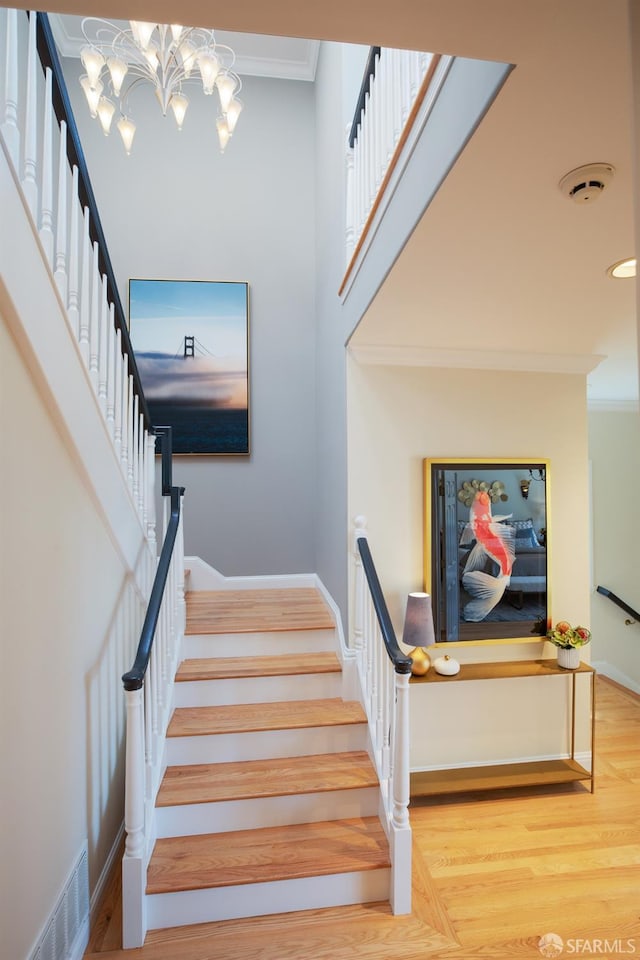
75	154
619	603
401	662
369	74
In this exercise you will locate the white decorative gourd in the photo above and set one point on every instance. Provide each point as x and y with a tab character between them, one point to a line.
446	665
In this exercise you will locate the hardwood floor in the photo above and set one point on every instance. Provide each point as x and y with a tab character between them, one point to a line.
492	874
218	611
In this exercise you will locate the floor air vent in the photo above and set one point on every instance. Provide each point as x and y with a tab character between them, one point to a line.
66	933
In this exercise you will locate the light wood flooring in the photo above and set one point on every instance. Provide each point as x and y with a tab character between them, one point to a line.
492	874
257	611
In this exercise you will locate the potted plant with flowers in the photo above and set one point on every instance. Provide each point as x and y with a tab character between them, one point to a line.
568	640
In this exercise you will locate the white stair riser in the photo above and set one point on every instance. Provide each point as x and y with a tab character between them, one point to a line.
223	816
268	644
260	899
203	693
263	744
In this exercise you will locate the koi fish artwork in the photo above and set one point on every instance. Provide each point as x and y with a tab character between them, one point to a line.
495	541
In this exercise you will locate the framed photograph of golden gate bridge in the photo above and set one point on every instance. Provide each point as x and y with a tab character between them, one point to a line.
191	343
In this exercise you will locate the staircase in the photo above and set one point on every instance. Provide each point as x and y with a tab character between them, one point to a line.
269	801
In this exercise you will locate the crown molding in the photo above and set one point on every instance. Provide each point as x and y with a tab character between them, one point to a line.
524	361
298	61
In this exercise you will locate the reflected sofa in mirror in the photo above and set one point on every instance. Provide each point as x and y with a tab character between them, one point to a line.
486	542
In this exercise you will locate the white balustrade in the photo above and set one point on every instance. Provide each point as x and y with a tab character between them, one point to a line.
63	230
37	147
386	702
394	88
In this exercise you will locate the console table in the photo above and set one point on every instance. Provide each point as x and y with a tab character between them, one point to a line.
434	783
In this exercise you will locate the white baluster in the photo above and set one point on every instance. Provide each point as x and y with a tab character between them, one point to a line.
85	293
414	74
9	124
46	212
350	230
135	447
182	606
103	348
30	159
141	472
94	317
130	428
60	273
124	437
111	372
150	478
117	399
73	304
360	533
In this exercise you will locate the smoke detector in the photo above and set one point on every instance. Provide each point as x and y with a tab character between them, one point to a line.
585	184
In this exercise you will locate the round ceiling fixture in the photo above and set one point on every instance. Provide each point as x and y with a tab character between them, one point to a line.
623	269
585	184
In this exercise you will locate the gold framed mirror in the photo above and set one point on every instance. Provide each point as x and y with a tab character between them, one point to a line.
486	543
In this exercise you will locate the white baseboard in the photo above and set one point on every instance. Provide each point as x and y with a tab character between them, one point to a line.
202	576
608	670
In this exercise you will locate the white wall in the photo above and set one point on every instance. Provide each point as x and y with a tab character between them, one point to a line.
614	448
399	416
62	704
177	209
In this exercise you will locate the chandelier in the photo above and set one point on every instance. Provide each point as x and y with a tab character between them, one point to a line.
168	56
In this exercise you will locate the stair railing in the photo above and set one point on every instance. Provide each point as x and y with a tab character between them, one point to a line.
393	90
384	677
633	614
148	690
40	139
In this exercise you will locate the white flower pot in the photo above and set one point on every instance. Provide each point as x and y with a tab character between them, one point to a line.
569	658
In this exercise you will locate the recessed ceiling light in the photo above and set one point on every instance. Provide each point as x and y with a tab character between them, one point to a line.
623	269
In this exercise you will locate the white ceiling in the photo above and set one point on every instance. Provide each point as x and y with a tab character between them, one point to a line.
502	263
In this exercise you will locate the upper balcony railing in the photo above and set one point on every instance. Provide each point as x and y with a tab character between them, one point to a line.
393	90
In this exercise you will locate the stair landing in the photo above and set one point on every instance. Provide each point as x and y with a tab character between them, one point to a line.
257	611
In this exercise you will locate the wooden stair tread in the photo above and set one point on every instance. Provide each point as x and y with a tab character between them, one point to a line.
267	854
256	611
252	717
212	782
277	666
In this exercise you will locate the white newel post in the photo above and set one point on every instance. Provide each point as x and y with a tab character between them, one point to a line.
9	123
134	925
400	828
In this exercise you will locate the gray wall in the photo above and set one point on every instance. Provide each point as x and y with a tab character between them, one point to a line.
177	209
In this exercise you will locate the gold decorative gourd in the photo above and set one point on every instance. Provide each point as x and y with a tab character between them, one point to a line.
421	661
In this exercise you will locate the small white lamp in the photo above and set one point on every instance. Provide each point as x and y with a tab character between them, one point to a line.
418	631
